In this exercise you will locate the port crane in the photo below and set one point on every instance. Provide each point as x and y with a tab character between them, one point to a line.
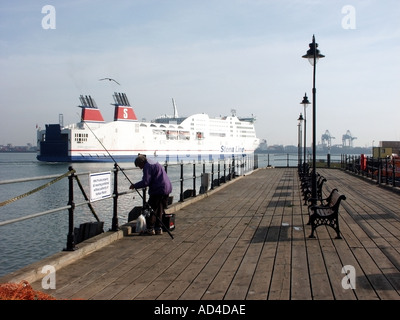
347	139
326	139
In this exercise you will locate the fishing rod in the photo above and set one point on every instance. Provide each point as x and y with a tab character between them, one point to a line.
112	158
115	162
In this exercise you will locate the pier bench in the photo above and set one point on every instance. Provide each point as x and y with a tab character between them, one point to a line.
307	189
323	202
326	214
306	182
304	171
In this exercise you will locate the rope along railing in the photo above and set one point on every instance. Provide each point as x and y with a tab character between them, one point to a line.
71	172
34	190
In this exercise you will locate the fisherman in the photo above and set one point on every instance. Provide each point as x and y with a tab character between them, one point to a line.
154	177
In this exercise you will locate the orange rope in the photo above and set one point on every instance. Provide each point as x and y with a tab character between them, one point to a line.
21	291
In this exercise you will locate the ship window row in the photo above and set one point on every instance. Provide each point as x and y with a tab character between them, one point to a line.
81	137
161	126
246	135
217	134
173	134
246	131
245	127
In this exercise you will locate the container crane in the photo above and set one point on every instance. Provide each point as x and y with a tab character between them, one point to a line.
347	139
326	139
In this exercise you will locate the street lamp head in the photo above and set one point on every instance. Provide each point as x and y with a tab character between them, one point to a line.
305	101
300	118
313	53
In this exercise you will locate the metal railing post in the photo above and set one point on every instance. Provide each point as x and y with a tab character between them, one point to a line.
70	236
212	175
114	223
386	173
219	169
379	171
194	178
181	179
224	171
232	169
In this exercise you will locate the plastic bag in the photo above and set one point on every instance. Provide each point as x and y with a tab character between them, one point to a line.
141	224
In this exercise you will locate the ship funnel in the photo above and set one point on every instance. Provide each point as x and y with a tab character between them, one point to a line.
123	110
90	112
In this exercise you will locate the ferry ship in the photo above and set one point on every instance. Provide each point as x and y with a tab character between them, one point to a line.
166	138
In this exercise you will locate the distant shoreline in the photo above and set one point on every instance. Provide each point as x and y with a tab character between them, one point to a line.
319	152
16	151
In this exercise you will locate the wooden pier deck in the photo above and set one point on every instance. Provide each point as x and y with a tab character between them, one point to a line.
249	241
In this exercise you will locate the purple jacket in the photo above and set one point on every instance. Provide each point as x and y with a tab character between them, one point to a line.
154	177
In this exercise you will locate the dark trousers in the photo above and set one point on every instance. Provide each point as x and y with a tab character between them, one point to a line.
158	203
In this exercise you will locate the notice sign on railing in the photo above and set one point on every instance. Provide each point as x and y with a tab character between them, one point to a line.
100	185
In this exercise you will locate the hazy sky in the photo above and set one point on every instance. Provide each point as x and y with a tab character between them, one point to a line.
211	56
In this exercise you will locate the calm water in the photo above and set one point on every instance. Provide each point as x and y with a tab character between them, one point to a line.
28	241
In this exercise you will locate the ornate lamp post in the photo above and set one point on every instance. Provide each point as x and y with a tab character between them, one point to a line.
300	121
305	103
313	55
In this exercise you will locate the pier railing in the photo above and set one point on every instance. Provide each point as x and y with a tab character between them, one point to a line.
188	179
292	160
382	170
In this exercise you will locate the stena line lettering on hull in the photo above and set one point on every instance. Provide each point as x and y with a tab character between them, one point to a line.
167	138
236	149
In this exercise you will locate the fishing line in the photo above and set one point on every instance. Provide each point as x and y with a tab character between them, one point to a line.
125	175
110	155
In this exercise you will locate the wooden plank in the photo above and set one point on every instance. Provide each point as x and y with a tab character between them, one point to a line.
225	230
258	288
136	268
239	286
172	273
207	237
320	285
334	265
281	277
210	264
300	282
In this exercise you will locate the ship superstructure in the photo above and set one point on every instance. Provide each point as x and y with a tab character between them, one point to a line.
167	138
